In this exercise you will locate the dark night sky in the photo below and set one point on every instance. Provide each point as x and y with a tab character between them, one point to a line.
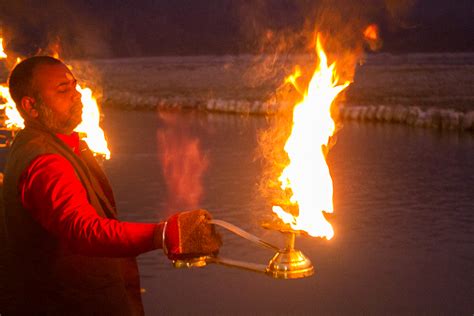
121	28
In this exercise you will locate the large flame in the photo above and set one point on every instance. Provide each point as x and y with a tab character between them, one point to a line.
307	174
89	129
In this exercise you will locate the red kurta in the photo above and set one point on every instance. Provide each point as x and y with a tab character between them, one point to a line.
55	197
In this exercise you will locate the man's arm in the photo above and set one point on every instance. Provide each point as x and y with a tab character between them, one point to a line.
52	193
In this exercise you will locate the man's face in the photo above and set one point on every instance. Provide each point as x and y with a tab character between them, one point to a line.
57	100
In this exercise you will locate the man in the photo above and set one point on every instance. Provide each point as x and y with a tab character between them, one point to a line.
67	253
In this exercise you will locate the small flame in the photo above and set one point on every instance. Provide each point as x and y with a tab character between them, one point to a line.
14	120
307	174
2	50
372	32
90	127
372	37
293	79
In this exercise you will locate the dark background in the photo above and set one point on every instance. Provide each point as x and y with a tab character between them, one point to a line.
124	28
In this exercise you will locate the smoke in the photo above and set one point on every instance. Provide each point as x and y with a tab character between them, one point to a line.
275	29
130	28
282	33
399	13
31	27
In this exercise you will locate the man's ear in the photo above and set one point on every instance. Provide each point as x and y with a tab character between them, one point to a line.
28	106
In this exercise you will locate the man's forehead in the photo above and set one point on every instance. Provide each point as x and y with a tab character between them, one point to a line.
52	74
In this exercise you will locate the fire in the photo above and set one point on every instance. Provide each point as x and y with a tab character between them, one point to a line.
90	127
372	37
2	50
307	174
13	118
371	32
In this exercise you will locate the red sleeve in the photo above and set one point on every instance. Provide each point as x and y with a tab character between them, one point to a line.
55	197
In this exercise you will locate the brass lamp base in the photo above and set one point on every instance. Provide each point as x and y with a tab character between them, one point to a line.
290	264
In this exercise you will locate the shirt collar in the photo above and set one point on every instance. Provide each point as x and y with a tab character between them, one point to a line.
72	141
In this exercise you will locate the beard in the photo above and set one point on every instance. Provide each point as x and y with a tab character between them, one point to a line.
54	122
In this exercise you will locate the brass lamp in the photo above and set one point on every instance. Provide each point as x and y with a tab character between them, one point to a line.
287	263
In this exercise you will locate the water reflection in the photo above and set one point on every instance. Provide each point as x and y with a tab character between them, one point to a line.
182	160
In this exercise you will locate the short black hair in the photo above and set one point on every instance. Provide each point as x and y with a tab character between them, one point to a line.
21	78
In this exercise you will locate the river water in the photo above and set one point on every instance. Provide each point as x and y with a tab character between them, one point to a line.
404	217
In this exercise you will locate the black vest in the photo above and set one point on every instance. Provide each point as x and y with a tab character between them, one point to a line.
43	275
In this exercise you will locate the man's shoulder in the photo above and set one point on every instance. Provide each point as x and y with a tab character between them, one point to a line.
30	140
26	146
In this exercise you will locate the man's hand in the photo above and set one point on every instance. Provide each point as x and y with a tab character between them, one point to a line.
189	235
